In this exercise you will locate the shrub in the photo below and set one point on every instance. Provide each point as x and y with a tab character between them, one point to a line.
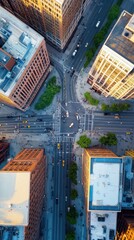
47	97
90	99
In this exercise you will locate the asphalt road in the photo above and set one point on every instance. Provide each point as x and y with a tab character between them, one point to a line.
61	198
108	123
26	124
97	12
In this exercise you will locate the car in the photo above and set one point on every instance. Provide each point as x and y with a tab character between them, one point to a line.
77	116
67	114
86	45
66	198
57	200
97	24
71	74
74	53
128	133
58	145
68	209
63	163
71	125
28	126
117	116
40	120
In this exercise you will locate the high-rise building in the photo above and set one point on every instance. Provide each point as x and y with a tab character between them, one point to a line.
4	151
112	72
55	19
102	182
125	225
21	195
24	61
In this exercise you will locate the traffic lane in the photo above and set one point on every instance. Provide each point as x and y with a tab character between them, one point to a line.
62	194
83	37
118	130
55	193
88	34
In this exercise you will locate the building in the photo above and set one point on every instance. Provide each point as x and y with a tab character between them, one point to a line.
112	72
4	151
130	153
125	226
21	195
55	19
102	182
24	61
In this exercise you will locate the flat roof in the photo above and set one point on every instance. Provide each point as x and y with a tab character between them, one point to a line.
117	42
104	192
21	42
14	198
103	225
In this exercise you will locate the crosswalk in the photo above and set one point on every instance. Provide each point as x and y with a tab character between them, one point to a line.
86	122
57	120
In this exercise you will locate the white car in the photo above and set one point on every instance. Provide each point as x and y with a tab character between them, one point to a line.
86	45
74	53
67	114
71	125
97	24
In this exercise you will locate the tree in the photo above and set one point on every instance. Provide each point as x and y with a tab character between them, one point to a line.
110	139
73	172
70	235
74	194
115	107
72	215
90	99
84	141
47	97
105	107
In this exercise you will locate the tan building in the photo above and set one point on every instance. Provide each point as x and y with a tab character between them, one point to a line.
102	183
24	61
130	153
125	225
21	195
112	73
55	19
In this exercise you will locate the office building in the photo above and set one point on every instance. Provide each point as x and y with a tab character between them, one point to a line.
24	61
102	182
21	195
112	72
55	19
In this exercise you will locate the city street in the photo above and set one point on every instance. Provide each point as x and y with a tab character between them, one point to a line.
57	130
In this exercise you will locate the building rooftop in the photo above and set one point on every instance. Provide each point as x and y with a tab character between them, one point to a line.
128	195
105	186
14	198
19	42
102	225
119	40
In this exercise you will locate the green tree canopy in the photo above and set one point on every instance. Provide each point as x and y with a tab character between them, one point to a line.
115	107
110	139
47	97
84	141
70	235
74	194
90	99
72	215
73	172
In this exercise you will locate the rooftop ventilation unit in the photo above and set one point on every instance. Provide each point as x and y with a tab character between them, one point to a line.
128	34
